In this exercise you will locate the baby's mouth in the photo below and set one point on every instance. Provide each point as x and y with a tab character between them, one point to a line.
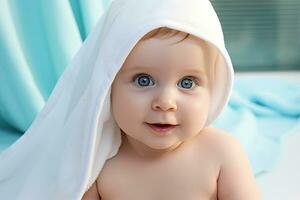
162	128
161	125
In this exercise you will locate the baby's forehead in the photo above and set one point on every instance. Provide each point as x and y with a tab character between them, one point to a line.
192	51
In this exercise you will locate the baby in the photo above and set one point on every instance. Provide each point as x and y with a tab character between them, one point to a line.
130	117
160	100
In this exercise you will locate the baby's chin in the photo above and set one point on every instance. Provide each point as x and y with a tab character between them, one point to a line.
163	146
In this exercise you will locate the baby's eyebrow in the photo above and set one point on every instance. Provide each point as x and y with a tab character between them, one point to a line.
136	68
199	70
194	69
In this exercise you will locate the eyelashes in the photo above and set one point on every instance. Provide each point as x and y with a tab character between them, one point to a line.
145	80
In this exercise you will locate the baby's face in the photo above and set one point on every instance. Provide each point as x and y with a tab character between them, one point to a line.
162	82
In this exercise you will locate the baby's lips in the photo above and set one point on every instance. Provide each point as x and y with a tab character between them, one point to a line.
162	124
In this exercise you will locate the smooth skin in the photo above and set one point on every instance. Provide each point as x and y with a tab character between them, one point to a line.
165	83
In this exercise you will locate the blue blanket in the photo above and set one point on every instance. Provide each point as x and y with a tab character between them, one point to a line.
260	113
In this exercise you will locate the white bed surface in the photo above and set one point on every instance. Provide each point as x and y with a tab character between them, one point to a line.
283	182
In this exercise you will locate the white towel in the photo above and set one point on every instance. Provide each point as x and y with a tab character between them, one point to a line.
65	148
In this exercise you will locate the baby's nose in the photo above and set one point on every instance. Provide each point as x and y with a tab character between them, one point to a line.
165	101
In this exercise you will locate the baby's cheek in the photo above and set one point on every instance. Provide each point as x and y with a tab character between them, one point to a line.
195	113
197	103
127	105
134	103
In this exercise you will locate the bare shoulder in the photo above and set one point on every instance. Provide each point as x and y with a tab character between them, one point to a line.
220	142
227	147
236	179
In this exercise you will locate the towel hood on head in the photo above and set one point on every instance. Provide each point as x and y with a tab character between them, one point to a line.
66	146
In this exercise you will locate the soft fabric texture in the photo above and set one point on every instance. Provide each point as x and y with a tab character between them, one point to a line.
35	48
261	112
66	146
37	41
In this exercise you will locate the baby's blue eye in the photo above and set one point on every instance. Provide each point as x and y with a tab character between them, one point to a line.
143	80
187	83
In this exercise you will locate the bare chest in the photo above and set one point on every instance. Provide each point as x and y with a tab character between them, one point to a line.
189	176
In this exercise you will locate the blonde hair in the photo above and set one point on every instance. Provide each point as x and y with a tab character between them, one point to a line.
165	32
